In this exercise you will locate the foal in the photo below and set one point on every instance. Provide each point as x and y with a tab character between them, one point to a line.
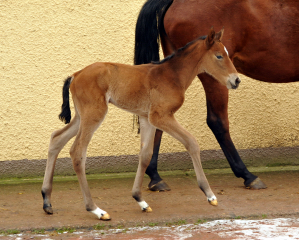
154	92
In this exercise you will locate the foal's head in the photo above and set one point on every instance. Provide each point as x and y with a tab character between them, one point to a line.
217	63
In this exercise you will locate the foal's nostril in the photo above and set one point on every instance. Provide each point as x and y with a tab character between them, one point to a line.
236	83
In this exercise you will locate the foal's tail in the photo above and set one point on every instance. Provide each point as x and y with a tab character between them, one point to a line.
65	114
147	33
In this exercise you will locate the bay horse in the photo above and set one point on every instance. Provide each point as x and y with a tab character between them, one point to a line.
262	41
154	92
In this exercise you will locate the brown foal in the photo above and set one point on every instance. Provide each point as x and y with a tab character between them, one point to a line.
152	91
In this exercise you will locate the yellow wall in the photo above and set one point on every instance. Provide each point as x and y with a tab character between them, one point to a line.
42	42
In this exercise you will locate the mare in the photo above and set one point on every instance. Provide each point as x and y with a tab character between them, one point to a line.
262	41
152	91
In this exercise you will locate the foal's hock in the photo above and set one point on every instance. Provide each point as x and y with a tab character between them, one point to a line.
152	91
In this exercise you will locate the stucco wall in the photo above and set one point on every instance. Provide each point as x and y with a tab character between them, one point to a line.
42	42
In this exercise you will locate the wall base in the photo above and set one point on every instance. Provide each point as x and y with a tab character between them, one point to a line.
211	159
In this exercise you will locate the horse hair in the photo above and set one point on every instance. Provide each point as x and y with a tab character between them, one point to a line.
65	115
178	51
151	51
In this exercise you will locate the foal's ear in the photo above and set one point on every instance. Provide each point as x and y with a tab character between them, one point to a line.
210	38
219	35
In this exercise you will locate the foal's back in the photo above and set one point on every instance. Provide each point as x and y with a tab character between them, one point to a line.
127	87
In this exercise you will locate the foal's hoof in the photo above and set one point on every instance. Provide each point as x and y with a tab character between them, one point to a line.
257	184
214	202
159	187
105	217
48	209
101	214
147	210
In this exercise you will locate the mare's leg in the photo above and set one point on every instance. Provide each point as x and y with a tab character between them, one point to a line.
217	120
147	132
156	183
58	140
92	116
172	127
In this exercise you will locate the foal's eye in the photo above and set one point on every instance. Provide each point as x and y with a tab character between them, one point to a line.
219	57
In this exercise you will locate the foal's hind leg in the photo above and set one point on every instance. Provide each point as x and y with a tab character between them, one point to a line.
172	127
147	132
58	140
91	118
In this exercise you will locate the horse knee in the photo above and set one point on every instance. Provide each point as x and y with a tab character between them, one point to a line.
218	125
145	157
192	146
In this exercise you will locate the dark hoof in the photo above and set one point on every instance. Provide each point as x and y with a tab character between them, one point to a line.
160	186
48	209
257	184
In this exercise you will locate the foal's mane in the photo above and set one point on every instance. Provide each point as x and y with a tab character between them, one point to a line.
178	51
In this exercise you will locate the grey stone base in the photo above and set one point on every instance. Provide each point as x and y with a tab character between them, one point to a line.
211	159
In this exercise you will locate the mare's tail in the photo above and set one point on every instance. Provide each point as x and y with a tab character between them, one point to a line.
65	114
148	26
147	34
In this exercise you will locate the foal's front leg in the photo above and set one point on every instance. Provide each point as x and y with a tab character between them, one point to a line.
173	128
147	132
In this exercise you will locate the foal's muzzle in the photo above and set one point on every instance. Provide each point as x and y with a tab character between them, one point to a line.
233	83
237	82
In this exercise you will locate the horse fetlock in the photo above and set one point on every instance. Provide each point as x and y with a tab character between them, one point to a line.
101	214
47	203
48	208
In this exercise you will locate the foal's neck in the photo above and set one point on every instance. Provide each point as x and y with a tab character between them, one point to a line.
186	62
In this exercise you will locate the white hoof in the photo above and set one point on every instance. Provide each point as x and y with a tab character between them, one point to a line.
213	201
101	214
145	207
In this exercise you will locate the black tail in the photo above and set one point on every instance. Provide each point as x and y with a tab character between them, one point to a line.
65	114
147	34
148	26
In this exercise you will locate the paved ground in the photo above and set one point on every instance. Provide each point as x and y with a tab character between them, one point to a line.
21	205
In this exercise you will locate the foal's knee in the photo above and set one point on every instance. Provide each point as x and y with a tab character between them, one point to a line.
192	146
145	157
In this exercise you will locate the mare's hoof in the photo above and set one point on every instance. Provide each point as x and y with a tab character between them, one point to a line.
159	187
147	210
105	217
48	209
257	184
214	202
